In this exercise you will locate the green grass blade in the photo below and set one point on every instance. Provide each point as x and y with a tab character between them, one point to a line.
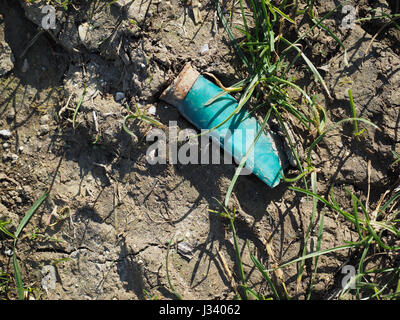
310	193
234	88
397	156
144	118
282	14
321	136
390	201
294	86
238	257
246	96
310	226
395	15
247	31
291	145
4	230
354	114
322	252
78	106
248	92
334	205
265	274
361	267
243	161
21	226
332	35
18	278
310	66
252	292
318	248
298	177
232	37
355	210
29	214
318	23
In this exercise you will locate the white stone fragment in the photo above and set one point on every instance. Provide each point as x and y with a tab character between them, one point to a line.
152	110
204	49
5	133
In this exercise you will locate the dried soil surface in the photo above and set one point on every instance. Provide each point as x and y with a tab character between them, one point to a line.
105	227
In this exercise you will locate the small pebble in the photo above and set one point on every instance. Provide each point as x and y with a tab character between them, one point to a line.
204	49
43	129
6	145
44	119
14	158
27	190
83	31
119	96
11	115
152	110
49	278
185	249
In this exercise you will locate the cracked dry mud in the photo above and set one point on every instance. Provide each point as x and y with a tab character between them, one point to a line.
116	213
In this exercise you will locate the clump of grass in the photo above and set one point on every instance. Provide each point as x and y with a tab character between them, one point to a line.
25	220
265	53
378	230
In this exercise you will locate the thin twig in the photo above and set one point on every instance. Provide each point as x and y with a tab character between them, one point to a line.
226	268
65	107
96	124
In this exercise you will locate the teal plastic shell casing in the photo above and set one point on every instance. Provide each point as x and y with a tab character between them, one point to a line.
191	93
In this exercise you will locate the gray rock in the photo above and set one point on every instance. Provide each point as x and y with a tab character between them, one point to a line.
49	278
185	249
83	32
119	96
